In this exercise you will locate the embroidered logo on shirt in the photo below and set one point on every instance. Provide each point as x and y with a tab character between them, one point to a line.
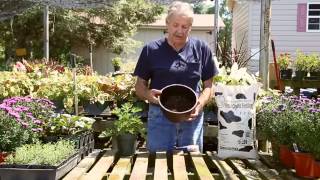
178	65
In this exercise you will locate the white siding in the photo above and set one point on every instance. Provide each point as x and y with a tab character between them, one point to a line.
284	28
240	26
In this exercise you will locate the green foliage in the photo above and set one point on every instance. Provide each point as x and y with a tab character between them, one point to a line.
284	61
301	63
128	122
42	154
203	7
117	61
313	64
234	76
66	124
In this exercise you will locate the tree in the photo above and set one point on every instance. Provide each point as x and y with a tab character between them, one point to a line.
111	26
225	34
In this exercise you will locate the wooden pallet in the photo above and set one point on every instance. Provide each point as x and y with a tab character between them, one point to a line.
162	166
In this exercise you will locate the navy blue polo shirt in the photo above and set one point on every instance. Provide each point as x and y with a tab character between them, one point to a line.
163	65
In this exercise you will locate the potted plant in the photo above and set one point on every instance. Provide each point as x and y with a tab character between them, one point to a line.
314	66
116	62
284	62
22	120
301	66
126	128
276	122
92	96
40	161
75	128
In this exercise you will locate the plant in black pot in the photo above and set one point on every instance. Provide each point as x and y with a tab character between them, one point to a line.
314	66
116	62
284	62
301	66
126	128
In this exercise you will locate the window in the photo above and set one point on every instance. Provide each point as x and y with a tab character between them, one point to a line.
313	18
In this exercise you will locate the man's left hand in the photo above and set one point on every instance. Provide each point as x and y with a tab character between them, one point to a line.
197	110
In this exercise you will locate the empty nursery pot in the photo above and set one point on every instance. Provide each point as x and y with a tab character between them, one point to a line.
177	102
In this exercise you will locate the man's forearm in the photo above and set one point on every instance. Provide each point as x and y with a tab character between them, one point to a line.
205	96
142	90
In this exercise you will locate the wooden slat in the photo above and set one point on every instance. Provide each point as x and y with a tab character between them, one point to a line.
161	168
82	167
225	170
239	167
264	171
121	169
179	167
201	167
101	167
140	167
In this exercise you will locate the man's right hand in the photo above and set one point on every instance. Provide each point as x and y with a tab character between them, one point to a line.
153	95
144	93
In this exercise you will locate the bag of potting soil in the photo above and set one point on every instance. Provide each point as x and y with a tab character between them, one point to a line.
237	121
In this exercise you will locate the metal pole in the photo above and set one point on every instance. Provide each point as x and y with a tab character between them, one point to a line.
74	74
46	32
264	42
216	26
90	54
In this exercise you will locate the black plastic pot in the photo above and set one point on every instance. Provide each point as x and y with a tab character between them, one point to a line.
22	172
300	75
177	102
127	144
286	74
315	75
97	108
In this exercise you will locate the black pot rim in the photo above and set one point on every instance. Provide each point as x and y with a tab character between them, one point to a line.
175	112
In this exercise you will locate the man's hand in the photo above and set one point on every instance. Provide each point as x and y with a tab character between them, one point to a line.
197	110
144	93
203	99
152	96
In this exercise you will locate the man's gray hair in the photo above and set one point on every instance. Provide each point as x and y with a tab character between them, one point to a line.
180	8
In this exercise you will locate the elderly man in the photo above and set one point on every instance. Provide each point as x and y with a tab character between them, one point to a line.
175	59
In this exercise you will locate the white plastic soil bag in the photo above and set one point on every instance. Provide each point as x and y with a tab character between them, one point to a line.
237	120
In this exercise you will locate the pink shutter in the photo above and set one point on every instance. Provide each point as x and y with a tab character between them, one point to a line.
302	17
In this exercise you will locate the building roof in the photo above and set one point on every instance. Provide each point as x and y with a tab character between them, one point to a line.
200	21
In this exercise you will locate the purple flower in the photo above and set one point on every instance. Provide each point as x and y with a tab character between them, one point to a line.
24	124
37	122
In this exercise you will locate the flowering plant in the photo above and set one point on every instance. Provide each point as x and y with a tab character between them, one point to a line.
290	119
284	61
22	120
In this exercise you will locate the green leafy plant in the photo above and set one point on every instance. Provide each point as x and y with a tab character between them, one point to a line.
42	154
301	63
235	76
66	124
116	62
128	122
284	61
313	63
